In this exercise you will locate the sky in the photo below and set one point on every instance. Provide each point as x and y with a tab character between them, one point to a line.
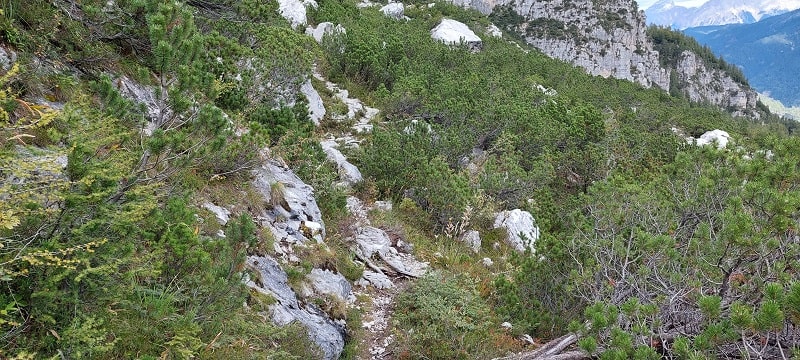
644	4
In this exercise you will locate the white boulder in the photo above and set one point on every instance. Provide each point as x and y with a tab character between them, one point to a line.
394	10
325	28
720	137
487	262
521	228
295	11
494	31
454	32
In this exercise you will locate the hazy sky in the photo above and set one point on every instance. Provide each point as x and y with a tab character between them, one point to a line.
644	4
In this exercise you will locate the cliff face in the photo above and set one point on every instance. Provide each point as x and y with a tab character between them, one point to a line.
699	83
608	38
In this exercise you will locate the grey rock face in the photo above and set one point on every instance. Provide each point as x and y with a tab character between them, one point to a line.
7	58
609	39
614	46
144	96
272	281
323	29
376	279
700	84
222	214
372	241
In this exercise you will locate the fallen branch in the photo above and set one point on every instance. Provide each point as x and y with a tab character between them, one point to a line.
552	351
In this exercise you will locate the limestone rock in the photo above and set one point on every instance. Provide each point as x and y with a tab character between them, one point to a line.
145	96
295	204
383	205
494	31
454	32
394	10
311	230
331	283
720	137
273	281
356	110
316	108
472	239
324	28
222	214
376	279
372	241
609	39
7	58
295	11
348	172
701	84
521	228
487	262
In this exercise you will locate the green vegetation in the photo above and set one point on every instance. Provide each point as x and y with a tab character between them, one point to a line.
649	246
106	257
576	156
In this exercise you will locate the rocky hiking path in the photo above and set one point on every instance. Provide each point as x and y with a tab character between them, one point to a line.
387	265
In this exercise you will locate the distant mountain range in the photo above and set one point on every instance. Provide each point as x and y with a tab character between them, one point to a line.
767	51
716	12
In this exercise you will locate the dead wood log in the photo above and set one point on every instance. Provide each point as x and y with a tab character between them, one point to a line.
552	351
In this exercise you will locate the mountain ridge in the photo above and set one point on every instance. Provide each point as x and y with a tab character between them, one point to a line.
716	12
764	50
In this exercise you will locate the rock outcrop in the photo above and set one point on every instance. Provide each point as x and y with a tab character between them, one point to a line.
348	172
702	84
316	109
273	281
607	40
295	11
324	28
291	211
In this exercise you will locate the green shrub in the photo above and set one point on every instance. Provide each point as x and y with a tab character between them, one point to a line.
443	318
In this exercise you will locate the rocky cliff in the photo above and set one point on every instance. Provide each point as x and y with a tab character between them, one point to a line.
609	38
700	83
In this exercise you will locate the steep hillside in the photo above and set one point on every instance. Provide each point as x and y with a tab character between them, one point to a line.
766	52
716	12
340	180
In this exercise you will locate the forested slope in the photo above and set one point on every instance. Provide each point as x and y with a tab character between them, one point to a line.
120	120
